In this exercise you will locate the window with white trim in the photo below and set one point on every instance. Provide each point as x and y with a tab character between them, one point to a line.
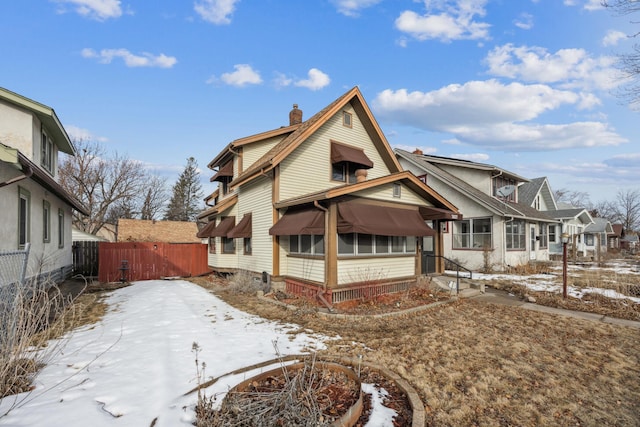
367	244
60	228
472	234
552	233
24	215
515	234
47	153
306	244
544	238
46	221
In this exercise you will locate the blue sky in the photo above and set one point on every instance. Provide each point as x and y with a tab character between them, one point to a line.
528	86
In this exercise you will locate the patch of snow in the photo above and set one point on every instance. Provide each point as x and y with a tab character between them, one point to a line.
381	416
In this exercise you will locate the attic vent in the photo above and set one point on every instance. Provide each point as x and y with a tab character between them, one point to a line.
295	116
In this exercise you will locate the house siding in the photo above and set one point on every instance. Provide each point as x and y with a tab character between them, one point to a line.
309	166
220	260
252	152
305	268
255	198
363	270
46	258
16	129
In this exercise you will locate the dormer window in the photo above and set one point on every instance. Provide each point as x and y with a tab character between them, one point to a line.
346	160
47	153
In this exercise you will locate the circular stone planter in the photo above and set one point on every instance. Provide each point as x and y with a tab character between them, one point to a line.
347	416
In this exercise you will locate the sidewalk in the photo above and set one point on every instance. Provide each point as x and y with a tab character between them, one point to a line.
496	296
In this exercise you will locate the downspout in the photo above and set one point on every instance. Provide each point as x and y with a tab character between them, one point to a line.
27	173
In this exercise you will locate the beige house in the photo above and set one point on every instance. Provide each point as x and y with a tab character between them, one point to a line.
323	206
35	210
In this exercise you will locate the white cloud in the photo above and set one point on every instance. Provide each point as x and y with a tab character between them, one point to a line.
613	37
317	80
243	75
281	80
524	21
586	4
95	9
105	56
215	11
493	115
474	157
353	7
572	68
79	134
454	22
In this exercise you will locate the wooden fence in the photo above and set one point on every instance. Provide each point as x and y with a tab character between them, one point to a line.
85	258
130	261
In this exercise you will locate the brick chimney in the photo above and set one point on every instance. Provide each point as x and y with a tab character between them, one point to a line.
418	152
295	116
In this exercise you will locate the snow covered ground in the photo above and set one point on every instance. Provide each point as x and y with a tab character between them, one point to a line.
137	363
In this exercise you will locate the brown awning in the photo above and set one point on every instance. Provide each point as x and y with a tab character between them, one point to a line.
243	229
225	171
345	153
381	220
206	230
305	221
431	212
224	227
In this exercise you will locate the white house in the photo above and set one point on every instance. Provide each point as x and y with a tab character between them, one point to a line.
322	205
572	220
496	231
34	208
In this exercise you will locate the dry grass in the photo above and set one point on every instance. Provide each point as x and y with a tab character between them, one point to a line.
475	363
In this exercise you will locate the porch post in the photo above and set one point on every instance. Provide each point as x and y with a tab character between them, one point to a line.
331	248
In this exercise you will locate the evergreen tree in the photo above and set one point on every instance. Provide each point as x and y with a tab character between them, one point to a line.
186	194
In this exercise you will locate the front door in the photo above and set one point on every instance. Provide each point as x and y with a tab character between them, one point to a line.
532	251
428	255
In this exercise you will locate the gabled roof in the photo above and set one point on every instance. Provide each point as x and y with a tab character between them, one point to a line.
573	213
498	207
221	157
468	164
599	225
46	115
618	229
285	147
405	177
528	191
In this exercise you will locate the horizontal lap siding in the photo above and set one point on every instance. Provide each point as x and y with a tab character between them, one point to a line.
256	198
218	259
370	269
305	269
385	192
308	168
252	152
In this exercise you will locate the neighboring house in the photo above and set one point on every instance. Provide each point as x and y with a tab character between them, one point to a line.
615	237
596	236
108	232
323	205
572	220
630	241
497	231
34	208
82	236
139	230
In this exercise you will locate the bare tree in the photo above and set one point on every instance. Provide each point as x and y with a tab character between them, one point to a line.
154	198
628	209
628	63
578	199
110	186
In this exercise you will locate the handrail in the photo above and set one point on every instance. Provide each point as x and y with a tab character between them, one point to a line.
458	267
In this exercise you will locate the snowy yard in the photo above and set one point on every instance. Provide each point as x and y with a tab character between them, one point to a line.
137	363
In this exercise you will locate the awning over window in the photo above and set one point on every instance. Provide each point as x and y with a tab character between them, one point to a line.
243	229
381	220
225	171
205	233
344	153
430	213
305	221
224	227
